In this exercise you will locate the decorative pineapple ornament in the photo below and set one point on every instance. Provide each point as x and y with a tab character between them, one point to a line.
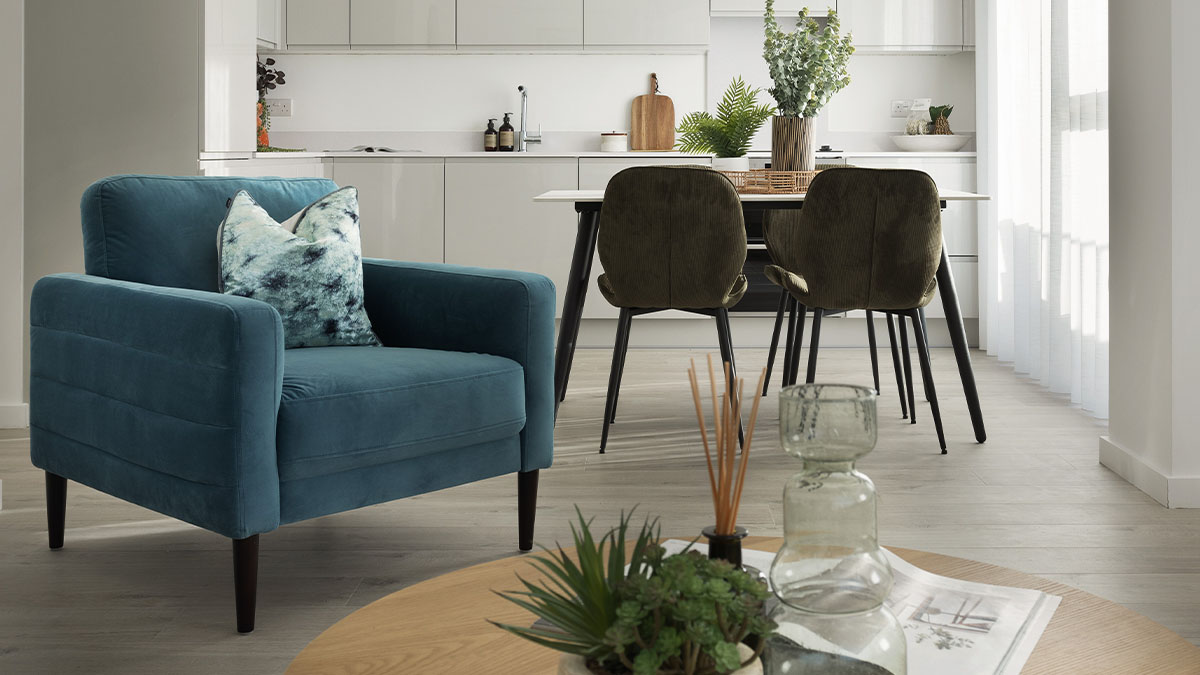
940	114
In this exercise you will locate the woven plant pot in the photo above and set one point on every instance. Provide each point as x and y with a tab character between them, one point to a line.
793	143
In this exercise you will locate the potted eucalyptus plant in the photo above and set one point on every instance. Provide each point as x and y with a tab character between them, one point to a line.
808	66
682	615
727	135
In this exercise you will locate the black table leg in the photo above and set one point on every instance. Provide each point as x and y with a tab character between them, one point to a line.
577	284
958	336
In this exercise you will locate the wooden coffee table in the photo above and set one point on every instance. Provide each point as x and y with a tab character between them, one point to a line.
440	626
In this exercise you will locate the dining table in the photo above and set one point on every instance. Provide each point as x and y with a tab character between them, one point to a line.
588	205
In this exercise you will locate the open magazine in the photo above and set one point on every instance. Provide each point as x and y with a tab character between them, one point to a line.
952	626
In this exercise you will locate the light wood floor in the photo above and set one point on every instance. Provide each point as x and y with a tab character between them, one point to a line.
134	592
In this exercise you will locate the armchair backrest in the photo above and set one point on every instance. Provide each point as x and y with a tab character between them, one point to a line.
162	230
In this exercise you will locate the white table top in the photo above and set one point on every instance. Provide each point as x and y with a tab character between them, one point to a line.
576	196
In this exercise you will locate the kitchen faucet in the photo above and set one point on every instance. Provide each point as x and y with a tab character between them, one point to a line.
524	137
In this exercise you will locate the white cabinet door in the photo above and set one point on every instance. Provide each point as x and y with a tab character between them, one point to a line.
783	8
400	206
318	23
270	13
492	220
966	284
637	22
594	174
388	23
299	167
968	24
515	23
903	25
229	80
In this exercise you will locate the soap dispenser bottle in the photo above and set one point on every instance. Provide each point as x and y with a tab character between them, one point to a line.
507	135
490	137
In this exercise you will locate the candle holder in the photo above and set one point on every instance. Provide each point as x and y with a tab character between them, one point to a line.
727	547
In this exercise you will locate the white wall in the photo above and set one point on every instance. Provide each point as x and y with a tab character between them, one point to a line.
1154	279
859	116
13	411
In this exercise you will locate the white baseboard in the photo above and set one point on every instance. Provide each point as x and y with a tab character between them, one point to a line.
14	415
1176	492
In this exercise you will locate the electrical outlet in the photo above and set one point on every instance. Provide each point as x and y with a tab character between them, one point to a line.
279	107
922	104
900	107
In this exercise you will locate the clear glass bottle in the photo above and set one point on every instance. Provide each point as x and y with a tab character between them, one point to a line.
830	576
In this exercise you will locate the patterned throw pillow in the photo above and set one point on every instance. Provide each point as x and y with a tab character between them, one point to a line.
309	268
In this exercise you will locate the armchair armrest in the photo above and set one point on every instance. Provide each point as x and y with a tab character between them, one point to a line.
469	309
164	397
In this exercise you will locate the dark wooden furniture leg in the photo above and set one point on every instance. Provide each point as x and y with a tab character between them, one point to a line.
245	581
725	337
620	372
793	373
783	305
527	485
790	350
56	508
614	375
927	376
958	336
814	346
891	323
577	283
874	352
908	381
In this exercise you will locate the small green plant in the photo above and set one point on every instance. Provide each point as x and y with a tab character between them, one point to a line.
678	615
729	134
807	65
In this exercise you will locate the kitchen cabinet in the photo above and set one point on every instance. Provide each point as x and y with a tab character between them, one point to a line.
318	23
229	91
520	23
932	26
624	23
492	220
390	23
755	8
296	167
400	205
270	24
969	25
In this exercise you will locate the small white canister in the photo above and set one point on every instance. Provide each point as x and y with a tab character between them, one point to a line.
614	141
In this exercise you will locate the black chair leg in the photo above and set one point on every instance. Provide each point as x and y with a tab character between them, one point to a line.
621	368
891	324
245	581
813	346
908	380
871	345
794	371
925	332
789	348
56	508
927	378
610	401
725	338
783	305
527	485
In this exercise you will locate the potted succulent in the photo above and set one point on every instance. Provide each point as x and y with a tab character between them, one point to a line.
727	136
684	614
932	135
808	67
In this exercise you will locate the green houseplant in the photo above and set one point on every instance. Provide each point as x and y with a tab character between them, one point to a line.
808	66
728	134
683	614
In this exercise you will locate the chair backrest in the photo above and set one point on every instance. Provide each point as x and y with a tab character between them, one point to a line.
671	237
162	230
865	239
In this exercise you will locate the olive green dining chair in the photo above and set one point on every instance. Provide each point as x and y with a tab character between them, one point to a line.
868	239
671	237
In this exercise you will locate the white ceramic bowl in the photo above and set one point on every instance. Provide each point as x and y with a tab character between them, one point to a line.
931	143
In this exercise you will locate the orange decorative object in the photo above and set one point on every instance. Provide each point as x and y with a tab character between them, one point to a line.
264	139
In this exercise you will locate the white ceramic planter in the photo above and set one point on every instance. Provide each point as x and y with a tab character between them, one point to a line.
572	664
731	163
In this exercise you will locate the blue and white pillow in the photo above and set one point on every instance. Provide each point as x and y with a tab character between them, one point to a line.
309	268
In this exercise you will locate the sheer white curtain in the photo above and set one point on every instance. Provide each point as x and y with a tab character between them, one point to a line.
1046	251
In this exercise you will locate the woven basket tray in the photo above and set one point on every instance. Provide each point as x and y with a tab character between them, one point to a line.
769	182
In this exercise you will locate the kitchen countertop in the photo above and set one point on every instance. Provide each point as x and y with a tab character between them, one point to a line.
536	154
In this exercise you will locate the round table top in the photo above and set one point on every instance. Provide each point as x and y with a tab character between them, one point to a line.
441	626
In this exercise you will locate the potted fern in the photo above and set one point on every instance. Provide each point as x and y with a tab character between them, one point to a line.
680	615
808	66
726	136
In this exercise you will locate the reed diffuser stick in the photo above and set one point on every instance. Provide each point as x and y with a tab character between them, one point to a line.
712	481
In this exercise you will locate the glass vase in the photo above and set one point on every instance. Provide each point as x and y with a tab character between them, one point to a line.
830	576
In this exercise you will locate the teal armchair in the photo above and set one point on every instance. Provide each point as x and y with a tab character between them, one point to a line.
147	384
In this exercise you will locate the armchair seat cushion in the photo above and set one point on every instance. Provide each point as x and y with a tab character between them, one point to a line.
346	408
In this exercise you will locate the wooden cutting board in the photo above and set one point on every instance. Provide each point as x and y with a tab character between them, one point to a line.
652	120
